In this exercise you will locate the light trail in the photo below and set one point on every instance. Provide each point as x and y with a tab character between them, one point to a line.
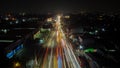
45	58
51	56
59	52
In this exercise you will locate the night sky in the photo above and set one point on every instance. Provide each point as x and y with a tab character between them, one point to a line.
38	6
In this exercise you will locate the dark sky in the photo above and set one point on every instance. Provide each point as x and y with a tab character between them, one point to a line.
37	6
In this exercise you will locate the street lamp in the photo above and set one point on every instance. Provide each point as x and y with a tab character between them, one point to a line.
17	65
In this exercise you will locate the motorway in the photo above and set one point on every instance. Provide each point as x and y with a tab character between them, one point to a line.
58	52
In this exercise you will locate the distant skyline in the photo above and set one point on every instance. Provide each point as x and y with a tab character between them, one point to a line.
42	6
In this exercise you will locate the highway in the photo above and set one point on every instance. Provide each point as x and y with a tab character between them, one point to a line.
59	53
